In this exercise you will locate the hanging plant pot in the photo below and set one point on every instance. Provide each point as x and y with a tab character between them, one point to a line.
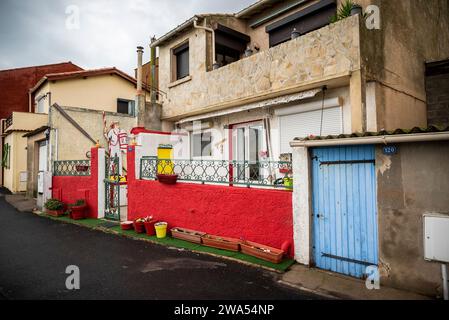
167	178
187	235
221	242
262	252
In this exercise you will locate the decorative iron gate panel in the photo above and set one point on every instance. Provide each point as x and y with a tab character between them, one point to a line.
344	209
112	189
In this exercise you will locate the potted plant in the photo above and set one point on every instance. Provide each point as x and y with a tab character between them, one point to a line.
221	242
347	9
139	225
77	210
54	207
187	235
262	252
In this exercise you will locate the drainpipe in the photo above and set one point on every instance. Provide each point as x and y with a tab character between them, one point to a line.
153	71
196	26
140	98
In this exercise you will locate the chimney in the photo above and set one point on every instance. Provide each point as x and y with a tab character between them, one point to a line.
140	97
139	70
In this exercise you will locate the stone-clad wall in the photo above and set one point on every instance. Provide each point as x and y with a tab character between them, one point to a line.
327	53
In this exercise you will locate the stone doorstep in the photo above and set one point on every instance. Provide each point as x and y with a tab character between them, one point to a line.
336	286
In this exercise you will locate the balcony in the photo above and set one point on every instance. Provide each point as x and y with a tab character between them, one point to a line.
325	56
23	121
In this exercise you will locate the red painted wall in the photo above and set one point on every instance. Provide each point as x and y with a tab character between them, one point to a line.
16	83
69	189
263	216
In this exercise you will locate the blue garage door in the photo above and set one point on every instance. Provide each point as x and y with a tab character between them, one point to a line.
344	209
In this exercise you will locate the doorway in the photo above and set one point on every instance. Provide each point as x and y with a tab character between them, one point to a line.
248	142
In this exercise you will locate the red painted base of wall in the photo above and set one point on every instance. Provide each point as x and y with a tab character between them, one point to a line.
68	189
263	216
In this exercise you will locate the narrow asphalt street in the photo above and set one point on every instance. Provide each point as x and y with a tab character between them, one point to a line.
35	251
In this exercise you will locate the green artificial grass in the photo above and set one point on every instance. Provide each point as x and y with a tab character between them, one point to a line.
177	243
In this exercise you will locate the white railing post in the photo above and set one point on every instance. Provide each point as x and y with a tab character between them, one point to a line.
302	205
101	185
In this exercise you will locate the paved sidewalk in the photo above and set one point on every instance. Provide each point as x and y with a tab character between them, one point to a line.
20	202
338	286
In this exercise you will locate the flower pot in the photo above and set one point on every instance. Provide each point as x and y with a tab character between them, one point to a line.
78	212
262	252
55	213
139	227
167	178
149	228
221	242
127	225
356	9
187	235
161	229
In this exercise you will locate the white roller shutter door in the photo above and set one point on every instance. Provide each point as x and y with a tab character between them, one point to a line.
304	124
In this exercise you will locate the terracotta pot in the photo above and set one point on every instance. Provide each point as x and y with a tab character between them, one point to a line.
55	213
78	212
149	228
139	227
167	178
262	252
187	235
221	242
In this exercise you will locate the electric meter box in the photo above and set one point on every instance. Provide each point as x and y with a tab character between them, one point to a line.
436	237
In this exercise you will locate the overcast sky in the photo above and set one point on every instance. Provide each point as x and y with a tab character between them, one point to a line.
41	32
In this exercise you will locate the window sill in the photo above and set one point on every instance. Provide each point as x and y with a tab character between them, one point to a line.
179	82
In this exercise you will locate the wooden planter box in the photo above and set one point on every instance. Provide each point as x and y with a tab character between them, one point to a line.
78	212
187	235
55	213
224	243
262	252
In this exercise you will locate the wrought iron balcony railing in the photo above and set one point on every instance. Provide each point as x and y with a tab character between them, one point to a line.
261	173
71	168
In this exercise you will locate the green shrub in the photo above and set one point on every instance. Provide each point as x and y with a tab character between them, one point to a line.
78	203
54	204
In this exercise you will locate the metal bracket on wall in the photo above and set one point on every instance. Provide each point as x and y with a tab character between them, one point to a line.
364	263
73	122
330	163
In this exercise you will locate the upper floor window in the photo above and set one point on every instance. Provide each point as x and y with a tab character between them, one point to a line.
181	62
41	104
304	21
230	45
126	107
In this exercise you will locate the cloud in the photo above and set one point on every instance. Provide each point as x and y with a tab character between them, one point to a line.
34	32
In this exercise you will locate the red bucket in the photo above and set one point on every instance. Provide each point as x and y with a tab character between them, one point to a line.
149	227
139	227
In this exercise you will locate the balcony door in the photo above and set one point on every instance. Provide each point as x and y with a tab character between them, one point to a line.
248	141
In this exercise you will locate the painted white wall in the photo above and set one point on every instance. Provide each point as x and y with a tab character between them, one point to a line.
302	205
147	144
101	186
